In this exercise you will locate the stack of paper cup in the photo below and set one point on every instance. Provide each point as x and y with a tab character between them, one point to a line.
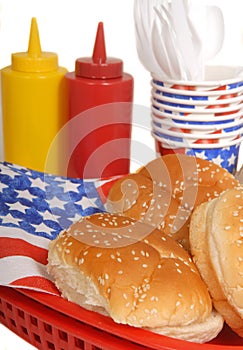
204	119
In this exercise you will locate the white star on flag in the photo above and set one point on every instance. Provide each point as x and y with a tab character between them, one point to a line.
87	202
18	206
11	173
56	203
10	219
218	160
2	186
38	183
25	194
43	228
49	216
201	155
71	187
232	158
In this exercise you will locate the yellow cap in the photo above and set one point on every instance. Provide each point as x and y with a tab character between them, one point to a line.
34	60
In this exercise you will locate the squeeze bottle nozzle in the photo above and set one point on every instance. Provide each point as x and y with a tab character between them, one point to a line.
34	60
34	48
99	66
99	52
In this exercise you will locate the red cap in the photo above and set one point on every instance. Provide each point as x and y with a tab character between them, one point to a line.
99	66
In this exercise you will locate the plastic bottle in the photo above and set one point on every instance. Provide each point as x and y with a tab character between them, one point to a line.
100	108
34	105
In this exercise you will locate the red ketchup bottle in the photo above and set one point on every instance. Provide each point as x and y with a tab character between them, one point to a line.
100	98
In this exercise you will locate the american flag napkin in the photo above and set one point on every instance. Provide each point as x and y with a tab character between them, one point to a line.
34	208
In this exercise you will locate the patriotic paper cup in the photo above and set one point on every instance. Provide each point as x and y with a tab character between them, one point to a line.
226	156
182	91
184	101
198	118
179	107
201	118
166	123
216	78
224	127
182	135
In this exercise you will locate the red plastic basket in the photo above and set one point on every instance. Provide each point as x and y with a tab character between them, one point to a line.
51	323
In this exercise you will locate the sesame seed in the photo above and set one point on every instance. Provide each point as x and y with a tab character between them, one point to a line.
154	311
101	280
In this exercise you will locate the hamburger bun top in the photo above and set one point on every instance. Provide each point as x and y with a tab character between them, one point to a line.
166	191
216	239
144	277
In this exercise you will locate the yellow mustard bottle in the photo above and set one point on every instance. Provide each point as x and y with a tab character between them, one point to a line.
34	106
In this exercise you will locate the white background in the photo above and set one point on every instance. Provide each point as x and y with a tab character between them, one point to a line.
68	27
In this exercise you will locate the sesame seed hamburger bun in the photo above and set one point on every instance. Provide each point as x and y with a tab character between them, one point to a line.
165	192
216	238
135	274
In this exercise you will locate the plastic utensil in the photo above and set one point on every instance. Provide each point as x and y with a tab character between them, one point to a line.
169	36
207	24
143	18
160	52
183	34
214	36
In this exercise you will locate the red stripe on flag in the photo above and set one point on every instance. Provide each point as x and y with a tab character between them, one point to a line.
16	246
36	282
